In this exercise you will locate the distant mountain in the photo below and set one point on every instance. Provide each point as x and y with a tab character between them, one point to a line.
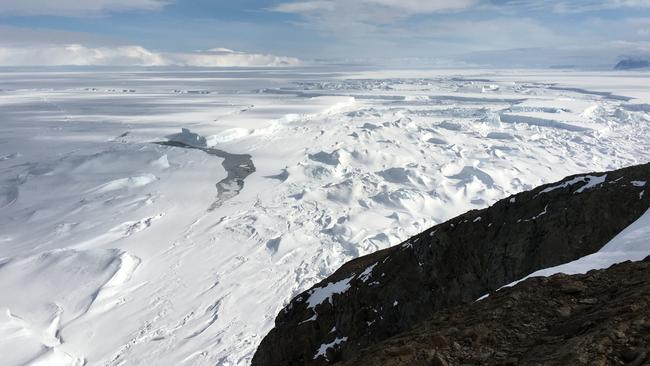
386	308
630	64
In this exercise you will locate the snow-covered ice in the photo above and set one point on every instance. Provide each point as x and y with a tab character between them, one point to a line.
325	293
113	251
322	350
632	244
589	180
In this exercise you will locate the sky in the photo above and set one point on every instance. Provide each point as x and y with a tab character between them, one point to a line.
208	33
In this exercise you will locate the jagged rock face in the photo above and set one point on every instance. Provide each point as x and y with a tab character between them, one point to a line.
599	318
388	292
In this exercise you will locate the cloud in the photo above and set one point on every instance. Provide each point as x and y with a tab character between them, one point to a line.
539	32
574	6
349	14
306	7
76	8
604	54
21	36
79	55
419	6
491	34
587	6
403	7
223	57
75	54
372	12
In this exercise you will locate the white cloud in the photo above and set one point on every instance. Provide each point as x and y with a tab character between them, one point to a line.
403	7
387	11
75	54
587	6
419	6
79	55
491	34
359	15
76	7
615	4
604	54
628	3
306	7
21	36
576	6
223	57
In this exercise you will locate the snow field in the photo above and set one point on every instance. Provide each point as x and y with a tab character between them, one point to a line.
110	255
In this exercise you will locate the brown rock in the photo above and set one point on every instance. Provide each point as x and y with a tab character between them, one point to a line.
629	354
439	341
572	288
640	359
588	301
530	334
438	361
564	311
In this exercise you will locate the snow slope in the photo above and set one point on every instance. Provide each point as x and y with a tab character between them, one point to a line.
632	244
112	250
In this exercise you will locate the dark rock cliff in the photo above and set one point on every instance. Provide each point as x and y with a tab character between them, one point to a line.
375	297
599	318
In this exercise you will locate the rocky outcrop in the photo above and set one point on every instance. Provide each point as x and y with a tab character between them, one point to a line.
375	297
600	318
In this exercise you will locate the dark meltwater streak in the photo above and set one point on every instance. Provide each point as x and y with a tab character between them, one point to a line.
238	167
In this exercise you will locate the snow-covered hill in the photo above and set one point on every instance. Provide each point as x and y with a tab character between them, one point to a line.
116	250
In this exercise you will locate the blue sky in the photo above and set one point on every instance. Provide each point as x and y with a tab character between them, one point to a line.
496	32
